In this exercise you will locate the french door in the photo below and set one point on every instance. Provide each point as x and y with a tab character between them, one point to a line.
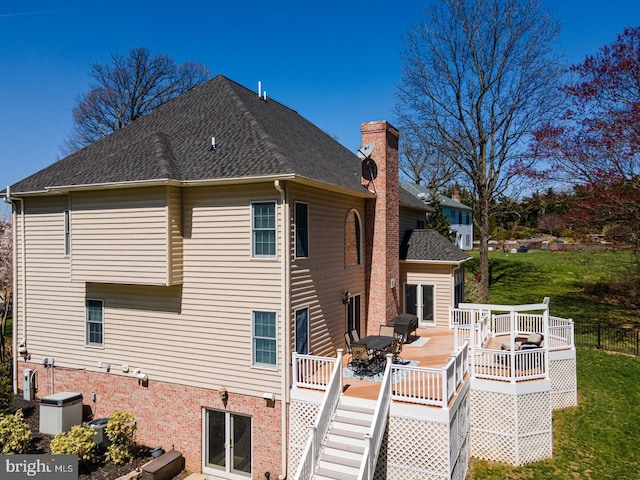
227	444
420	300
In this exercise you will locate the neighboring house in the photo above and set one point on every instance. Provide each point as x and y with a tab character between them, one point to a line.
460	216
171	268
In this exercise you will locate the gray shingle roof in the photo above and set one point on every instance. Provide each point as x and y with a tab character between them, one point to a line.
429	245
254	138
421	191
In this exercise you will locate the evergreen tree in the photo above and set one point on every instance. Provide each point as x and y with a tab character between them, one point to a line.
437	221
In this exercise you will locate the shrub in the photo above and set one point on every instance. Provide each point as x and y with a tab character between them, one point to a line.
78	441
6	389
15	435
121	430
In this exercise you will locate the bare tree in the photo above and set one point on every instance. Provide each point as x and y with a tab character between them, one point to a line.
424	164
552	223
479	75
126	89
6	279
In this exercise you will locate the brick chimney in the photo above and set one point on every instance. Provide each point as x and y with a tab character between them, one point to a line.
382	226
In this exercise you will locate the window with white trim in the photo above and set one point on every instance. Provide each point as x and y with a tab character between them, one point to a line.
302	229
263	229
264	339
458	288
95	322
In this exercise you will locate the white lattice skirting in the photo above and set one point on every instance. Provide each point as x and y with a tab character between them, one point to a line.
419	448
302	415
512	427
564	387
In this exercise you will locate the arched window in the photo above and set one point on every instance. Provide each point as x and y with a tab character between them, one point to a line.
353	239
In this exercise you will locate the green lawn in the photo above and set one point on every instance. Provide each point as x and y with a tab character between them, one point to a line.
598	438
529	277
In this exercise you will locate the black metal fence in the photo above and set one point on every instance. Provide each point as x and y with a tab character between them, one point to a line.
621	339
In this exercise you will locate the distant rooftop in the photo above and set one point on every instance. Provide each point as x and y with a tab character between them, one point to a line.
425	194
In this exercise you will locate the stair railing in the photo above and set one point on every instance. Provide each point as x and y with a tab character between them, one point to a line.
373	439
318	431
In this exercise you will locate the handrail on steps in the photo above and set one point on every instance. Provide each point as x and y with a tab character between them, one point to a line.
318	431
373	439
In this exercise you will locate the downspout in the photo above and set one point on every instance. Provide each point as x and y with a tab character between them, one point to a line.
284	308
14	327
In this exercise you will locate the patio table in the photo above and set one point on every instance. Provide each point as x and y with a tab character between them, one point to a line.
379	346
376	343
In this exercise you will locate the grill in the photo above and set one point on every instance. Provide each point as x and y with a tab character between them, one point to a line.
405	324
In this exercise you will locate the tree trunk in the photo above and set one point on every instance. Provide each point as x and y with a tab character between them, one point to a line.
483	230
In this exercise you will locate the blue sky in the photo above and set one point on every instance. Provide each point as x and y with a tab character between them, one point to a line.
337	62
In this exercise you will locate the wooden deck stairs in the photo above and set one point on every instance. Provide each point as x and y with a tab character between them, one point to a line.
343	449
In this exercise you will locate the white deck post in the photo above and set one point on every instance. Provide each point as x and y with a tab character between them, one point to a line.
547	340
294	369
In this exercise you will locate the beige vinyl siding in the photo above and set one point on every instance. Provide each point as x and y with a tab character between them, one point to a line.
124	236
198	333
409	220
319	281
439	275
52	301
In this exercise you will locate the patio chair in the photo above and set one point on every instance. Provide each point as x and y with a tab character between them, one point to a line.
525	343
396	349
354	335
386	331
361	361
347	341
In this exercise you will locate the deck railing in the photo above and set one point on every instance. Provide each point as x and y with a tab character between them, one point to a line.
431	386
510	365
464	321
524	323
311	371
561	333
318	431
373	439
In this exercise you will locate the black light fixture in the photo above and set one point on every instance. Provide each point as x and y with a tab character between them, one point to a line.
22	350
346	298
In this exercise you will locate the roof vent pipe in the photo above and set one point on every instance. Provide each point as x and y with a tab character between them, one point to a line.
259	88
7	198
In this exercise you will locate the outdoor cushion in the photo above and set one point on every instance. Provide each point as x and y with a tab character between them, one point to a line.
534	338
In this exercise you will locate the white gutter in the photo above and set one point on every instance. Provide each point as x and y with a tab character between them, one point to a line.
284	308
440	262
23	303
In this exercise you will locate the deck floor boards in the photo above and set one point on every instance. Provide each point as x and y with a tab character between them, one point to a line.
434	354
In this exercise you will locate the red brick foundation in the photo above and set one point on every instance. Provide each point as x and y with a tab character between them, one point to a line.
169	414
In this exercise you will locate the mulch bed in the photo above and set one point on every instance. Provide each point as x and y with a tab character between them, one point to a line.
40	444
